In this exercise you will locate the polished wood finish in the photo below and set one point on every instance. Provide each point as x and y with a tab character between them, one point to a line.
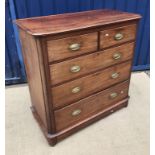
68	22
89	106
63	95
107	37
31	60
78	67
80	125
87	43
105	112
60	72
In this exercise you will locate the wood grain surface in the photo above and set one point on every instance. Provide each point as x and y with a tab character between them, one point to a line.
62	95
59	49
107	37
31	60
60	72
73	21
89	106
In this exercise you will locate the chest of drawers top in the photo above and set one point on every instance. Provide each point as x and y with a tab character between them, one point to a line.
78	67
68	22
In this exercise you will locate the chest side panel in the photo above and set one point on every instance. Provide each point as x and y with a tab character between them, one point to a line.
31	60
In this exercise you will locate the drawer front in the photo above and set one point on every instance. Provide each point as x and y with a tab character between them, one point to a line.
61	72
84	108
82	87
71	46
118	35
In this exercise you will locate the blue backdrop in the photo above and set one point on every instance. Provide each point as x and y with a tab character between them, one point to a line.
15	72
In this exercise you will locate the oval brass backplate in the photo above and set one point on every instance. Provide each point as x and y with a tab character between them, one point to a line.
114	75
75	47
113	95
76	112
76	90
75	69
118	36
117	56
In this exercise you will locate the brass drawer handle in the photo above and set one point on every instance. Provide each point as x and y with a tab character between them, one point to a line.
75	69
76	90
118	36
74	47
117	56
115	75
113	95
76	112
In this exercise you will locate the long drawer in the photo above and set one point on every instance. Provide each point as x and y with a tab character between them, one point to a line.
71	46
117	35
82	87
77	67
84	108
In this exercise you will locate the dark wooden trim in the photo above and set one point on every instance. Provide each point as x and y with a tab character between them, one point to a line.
43	79
67	132
51	119
42	127
98	43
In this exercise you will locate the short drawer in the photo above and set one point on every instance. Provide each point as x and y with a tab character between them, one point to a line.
71	46
117	35
84	108
85	86
74	68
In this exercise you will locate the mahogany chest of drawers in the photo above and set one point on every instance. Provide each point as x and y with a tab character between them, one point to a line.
78	67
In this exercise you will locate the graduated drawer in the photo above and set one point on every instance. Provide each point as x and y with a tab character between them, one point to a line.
61	72
84	108
82	87
117	35
71	46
